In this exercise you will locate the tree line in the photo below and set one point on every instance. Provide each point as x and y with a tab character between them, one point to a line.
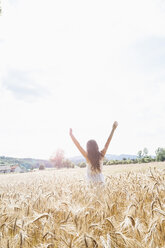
58	160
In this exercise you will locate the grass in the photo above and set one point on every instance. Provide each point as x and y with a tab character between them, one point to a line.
57	208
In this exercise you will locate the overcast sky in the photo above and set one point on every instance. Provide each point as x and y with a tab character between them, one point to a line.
81	64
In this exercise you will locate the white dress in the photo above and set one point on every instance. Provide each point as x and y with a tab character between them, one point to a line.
94	176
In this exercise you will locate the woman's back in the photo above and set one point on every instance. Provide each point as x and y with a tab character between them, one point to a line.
94	157
95	175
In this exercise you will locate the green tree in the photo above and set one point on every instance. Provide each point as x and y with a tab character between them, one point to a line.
82	164
160	154
105	161
145	152
139	154
68	164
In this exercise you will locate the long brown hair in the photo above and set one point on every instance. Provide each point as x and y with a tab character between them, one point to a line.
94	155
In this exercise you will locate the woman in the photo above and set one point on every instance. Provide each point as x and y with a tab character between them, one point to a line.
94	157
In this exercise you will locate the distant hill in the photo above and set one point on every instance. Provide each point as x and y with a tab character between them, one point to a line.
120	157
28	163
79	159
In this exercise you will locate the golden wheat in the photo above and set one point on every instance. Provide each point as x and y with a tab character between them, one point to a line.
57	209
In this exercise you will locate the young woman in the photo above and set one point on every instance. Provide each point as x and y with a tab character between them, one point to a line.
94	157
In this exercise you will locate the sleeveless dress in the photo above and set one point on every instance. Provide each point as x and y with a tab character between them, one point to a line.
95	176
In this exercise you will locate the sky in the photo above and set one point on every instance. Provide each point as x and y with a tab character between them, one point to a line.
84	65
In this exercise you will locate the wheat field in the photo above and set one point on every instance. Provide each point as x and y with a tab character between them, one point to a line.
57	209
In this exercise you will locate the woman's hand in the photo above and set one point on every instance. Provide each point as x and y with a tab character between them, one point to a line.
70	131
115	124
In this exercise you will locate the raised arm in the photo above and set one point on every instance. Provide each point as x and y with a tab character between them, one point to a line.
83	152
103	152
